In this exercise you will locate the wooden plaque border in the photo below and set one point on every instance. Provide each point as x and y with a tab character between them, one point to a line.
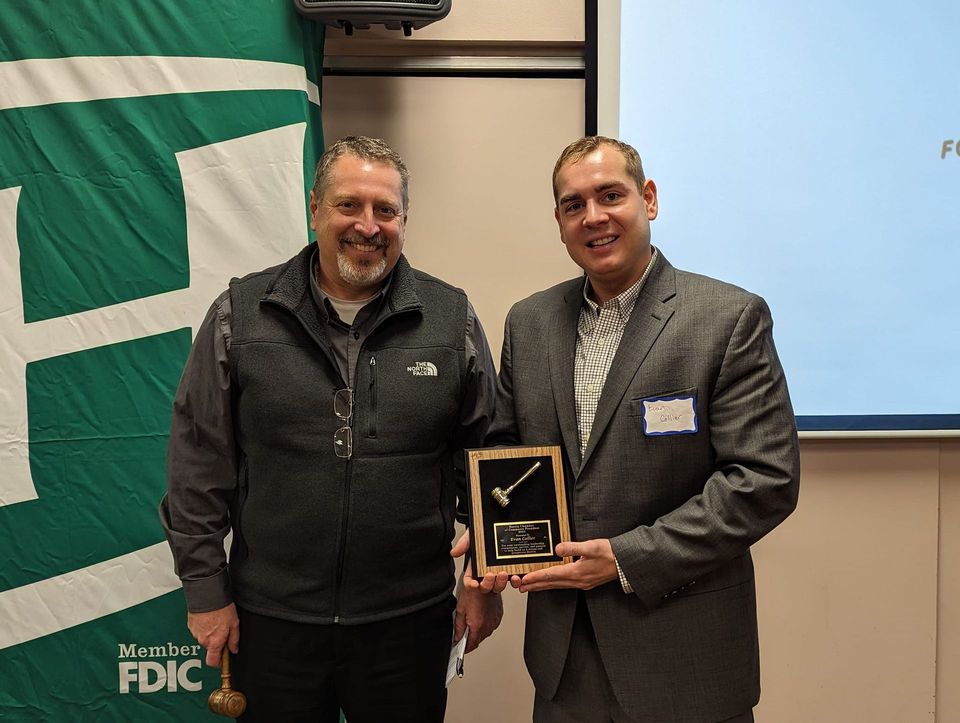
477	524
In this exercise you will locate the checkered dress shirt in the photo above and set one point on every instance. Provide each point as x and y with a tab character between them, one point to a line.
599	332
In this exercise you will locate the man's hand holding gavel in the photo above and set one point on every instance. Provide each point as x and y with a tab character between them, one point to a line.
215	630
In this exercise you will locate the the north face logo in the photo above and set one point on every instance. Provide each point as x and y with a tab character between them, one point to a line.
423	369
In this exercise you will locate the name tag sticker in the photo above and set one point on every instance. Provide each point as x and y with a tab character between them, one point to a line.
669	415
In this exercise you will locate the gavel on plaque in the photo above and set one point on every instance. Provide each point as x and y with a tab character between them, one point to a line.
225	700
503	496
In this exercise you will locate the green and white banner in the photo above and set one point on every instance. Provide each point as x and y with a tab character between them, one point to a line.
148	152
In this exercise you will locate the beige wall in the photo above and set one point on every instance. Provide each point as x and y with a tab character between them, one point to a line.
848	587
948	586
485	21
859	591
481	208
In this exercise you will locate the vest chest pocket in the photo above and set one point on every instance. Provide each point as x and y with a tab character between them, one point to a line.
407	400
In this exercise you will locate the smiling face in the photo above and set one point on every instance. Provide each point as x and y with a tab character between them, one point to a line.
604	220
359	222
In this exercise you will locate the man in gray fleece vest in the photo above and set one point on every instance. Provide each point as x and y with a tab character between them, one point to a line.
321	419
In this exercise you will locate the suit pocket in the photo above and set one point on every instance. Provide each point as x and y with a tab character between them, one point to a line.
636	402
739	571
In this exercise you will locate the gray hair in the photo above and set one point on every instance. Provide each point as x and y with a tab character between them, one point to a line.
367	149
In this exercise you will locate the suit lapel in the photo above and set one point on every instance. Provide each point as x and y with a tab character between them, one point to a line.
561	351
650	315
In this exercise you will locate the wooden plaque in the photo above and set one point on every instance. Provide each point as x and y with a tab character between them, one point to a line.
518	509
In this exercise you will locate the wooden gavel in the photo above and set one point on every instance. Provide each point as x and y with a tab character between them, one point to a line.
225	700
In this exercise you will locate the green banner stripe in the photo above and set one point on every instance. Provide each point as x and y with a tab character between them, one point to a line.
101	190
75	675
99	421
251	29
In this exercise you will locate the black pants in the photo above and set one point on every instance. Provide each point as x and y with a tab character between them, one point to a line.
392	670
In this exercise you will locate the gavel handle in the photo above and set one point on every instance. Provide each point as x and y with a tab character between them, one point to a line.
225	669
533	468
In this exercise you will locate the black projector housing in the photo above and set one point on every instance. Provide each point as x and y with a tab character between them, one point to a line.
406	15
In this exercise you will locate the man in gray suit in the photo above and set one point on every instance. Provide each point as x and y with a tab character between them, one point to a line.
666	394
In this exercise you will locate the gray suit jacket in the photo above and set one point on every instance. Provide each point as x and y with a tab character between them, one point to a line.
681	510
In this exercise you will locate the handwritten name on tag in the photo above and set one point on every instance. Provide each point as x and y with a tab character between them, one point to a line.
671	415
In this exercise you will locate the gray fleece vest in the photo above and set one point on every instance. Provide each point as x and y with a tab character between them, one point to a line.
322	539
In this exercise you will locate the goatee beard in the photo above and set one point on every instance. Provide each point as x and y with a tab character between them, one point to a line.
360	275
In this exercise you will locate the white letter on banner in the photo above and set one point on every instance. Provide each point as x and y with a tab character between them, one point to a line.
127	675
144	668
245	211
185	681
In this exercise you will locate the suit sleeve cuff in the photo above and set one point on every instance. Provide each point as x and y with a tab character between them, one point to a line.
643	574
